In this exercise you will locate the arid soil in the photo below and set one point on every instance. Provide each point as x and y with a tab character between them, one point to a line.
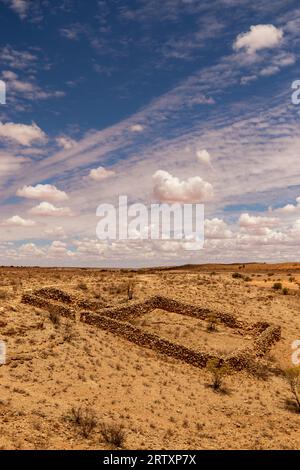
70	385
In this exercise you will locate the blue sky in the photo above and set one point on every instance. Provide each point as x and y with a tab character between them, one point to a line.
136	97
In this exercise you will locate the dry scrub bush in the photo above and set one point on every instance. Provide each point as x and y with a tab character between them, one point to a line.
219	372
69	332
82	286
130	290
84	418
293	377
3	294
237	276
212	322
113	434
54	318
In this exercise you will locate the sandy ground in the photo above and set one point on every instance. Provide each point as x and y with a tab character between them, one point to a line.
157	402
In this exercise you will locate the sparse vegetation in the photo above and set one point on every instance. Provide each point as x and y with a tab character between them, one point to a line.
237	276
113	434
82	286
293	377
54	318
84	418
130	290
145	399
3	294
219	372
212	323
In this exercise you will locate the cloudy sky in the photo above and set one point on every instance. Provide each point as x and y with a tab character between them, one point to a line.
162	101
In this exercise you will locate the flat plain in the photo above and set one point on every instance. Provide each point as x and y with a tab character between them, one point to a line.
67	384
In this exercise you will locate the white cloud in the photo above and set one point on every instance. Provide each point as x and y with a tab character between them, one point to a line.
261	36
18	221
216	229
58	248
269	70
258	225
30	249
66	142
137	128
290	208
203	156
168	188
22	133
57	232
44	192
19	6
10	164
45	209
17	59
25	89
100	173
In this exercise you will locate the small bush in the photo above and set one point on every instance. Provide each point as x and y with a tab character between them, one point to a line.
285	291
219	372
293	377
130	290
54	318
237	276
3	294
277	286
82	286
69	332
84	418
113	434
212	323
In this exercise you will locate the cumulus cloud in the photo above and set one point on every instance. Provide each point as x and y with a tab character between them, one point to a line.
290	208
261	36
45	209
100	173
22	133
168	188
137	128
44	192
17	221
203	156
216	229
66	142
259	225
30	249
58	248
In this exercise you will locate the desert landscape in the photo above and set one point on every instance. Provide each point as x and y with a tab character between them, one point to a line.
192	357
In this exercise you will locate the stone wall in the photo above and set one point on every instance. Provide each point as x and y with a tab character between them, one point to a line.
115	320
51	307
